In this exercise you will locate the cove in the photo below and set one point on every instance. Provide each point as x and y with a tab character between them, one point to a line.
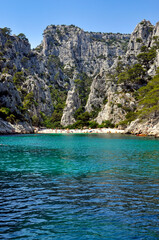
98	186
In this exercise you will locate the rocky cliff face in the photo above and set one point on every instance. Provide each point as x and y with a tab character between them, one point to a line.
86	52
78	53
71	72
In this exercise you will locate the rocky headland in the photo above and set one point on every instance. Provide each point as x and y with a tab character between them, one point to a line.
76	78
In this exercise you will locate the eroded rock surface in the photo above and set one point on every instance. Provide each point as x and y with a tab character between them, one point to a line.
49	75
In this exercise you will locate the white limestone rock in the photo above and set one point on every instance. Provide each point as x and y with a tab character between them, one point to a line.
72	104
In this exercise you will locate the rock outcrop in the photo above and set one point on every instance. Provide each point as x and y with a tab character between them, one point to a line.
148	127
72	104
20	127
70	70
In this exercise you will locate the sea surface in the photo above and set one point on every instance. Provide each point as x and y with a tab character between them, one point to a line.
81	186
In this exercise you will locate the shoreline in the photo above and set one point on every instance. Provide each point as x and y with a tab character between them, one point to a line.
79	131
141	130
93	131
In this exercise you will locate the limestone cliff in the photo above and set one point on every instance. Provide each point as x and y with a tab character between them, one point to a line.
72	72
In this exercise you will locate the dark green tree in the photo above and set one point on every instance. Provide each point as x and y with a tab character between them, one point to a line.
18	78
22	37
6	31
147	57
149	97
135	74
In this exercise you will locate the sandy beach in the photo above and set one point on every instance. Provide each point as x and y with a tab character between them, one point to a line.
67	131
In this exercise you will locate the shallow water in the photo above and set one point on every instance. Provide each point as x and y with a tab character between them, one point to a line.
79	187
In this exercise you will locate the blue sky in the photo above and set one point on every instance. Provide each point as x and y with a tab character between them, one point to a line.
32	16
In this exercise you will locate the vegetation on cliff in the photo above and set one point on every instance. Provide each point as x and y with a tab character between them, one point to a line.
65	77
149	98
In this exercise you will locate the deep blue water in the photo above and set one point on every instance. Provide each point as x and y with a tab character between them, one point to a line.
80	187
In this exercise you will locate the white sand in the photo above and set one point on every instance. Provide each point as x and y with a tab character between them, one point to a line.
67	131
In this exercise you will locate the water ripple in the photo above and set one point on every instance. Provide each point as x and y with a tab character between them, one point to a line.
63	188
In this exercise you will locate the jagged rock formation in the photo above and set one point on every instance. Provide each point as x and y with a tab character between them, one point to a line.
20	127
72	104
70	70
110	99
142	35
87	52
148	127
79	52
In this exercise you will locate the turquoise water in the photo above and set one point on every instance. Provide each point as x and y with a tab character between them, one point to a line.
79	187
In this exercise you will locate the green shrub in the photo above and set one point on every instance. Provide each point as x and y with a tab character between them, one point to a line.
22	37
95	112
93	124
56	77
107	124
5	70
79	111
146	58
138	40
6	31
58	99
126	109
119	105
48	122
135	74
123	77
4	112
130	116
35	120
120	67
8	44
83	84
156	42
149	97
105	100
28	100
150	29
84	117
11	118
56	116
24	60
53	59
39	48
18	78
82	121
